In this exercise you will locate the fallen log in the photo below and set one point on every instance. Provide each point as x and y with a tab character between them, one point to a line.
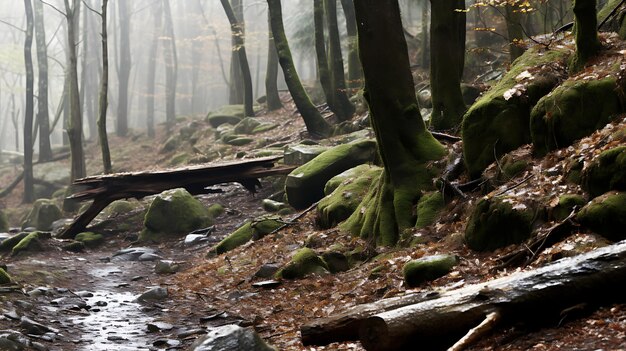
104	189
436	321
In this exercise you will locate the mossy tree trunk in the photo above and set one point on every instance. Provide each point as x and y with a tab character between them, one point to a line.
355	74
587	42
29	192
514	31
235	86
104	93
447	56
404	143
236	26
271	75
316	125
43	119
345	109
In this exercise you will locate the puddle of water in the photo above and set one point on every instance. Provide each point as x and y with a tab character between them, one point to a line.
117	325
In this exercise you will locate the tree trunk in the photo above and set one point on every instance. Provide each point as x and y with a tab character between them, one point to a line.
271	74
124	65
322	58
316	125
75	124
198	104
236	88
404	143
355	74
157	12
345	109
515	31
425	54
29	192
236	26
85	76
587	42
43	119
447	57
104	94
171	66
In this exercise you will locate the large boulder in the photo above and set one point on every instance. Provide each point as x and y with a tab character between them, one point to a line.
231	338
300	154
345	197
606	215
499	121
428	268
230	114
575	109
304	262
42	215
497	222
606	172
174	213
305	185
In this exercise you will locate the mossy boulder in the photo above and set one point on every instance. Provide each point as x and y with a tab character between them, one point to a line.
4	222
574	109
305	185
606	172
428	208
566	204
301	153
8	243
42	215
499	121
336	261
230	114
270	205
251	230
498	222
428	268
5	278
606	215
303	263
31	242
173	213
346	176
345	199
239	141
119	207
170	144
216	210
246	125
90	239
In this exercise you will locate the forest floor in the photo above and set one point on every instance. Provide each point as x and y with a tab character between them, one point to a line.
221	290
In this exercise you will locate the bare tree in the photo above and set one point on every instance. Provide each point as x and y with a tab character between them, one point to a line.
171	65
271	74
29	192
124	65
157	12
43	120
104	97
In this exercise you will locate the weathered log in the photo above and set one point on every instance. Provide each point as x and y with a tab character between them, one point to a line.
531	296
104	189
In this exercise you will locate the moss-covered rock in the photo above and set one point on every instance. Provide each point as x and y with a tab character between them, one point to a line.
4	222
170	144
90	239
303	263
496	222
566	205
428	208
42	215
428	268
305	185
606	172
172	213
230	114
301	153
74	246
336	261
273	206
572	111
606	215
345	176
5	278
499	121
31	242
263	127
345	199
239	141
8	243
251	230
216	210
247	125
617	22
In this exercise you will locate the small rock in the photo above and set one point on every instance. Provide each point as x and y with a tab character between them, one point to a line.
166	343
155	294
267	270
166	267
32	327
186	333
159	326
231	338
134	254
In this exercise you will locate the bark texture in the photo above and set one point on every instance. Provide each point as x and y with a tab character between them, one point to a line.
587	42
171	65
355	74
43	119
344	108
271	75
157	13
103	102
29	191
124	65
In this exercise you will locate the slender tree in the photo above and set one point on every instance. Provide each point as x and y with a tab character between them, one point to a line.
103	102
236	82
404	143
316	125
171	66
157	12
124	65
322	57
345	109
355	75
239	48
29	192
271	74
43	119
587	42
447	57
514	30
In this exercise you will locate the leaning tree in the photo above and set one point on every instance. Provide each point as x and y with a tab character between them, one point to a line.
406	147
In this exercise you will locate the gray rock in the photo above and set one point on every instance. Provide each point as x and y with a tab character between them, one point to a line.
231	338
300	154
8	344
166	267
194	239
135	254
154	294
35	328
159	326
267	270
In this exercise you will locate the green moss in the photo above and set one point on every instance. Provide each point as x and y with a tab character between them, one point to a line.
30	242
74	246
42	215
179	159
345	199
90	239
247	125
429	268
251	230
230	114
303	263
170	144
572	111
216	210
512	168
305	184
495	125
428	208
264	127
606	215
4	222
566	205
174	212
239	141
5	278
119	207
494	224
606	172
9	243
